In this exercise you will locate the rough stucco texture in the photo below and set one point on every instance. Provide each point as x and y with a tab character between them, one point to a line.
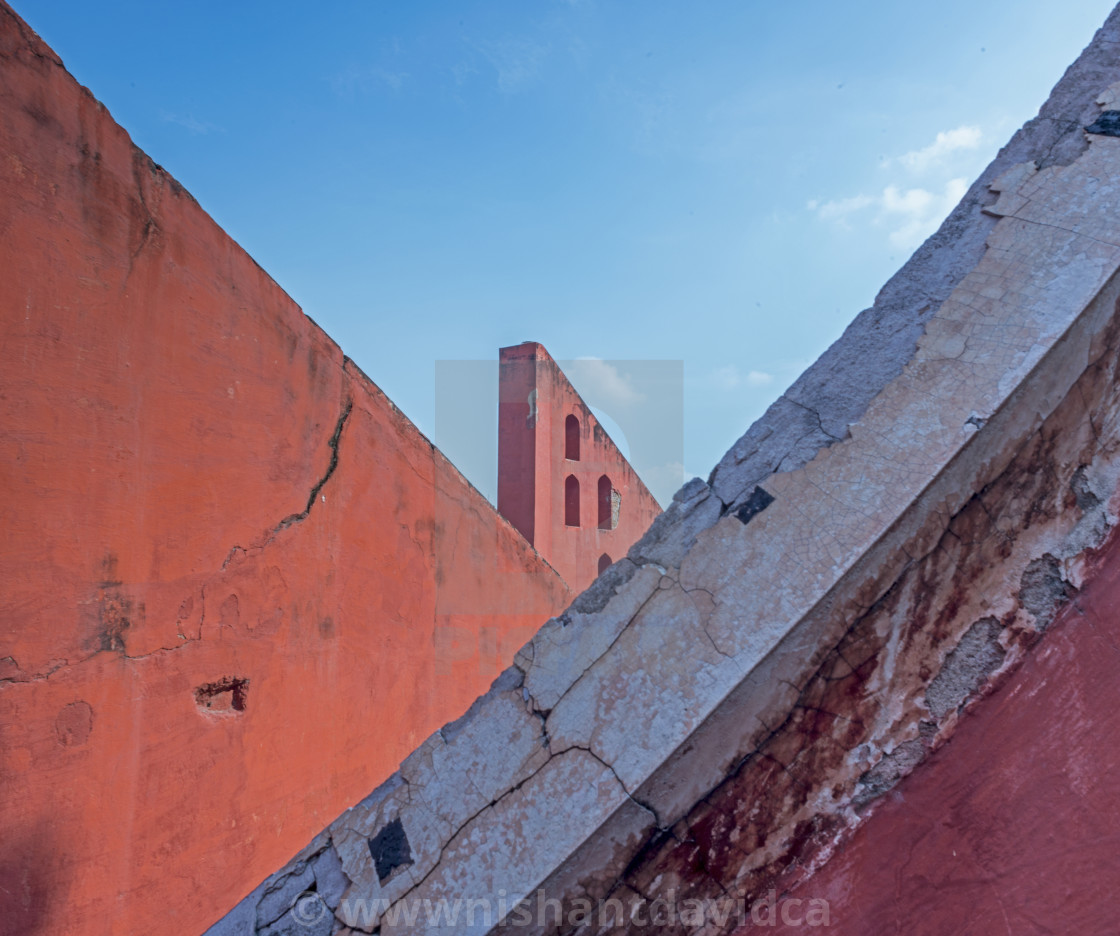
239	586
1014	826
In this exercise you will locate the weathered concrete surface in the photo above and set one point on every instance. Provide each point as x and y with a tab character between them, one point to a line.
1014	827
972	599
788	642
538	460
239	586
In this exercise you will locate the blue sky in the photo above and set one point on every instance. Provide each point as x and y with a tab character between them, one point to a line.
721	183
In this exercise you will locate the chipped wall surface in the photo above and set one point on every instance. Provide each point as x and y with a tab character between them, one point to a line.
537	475
971	597
717	713
1014	827
239	586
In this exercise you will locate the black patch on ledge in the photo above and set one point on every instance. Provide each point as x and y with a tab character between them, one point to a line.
755	504
1108	124
389	849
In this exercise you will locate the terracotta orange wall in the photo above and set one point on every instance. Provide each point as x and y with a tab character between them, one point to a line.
169	417
1014	825
535	399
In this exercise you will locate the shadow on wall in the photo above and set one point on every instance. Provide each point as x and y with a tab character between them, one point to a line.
25	901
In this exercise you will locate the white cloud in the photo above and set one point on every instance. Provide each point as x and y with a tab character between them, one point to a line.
919	211
839	209
910	215
946	142
730	378
601	383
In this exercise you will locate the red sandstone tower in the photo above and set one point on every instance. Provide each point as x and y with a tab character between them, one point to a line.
562	482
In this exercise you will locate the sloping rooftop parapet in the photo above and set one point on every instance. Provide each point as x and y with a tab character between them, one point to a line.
984	370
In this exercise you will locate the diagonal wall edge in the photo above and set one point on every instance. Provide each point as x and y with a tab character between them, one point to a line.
229	561
627	711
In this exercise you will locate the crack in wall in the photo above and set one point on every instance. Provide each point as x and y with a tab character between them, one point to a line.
464	828
907	754
898	307
587	669
333	444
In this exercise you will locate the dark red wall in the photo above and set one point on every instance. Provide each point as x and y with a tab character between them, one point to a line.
535	400
239	586
1014	825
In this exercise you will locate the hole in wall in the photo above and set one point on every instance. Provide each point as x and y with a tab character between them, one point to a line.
228	695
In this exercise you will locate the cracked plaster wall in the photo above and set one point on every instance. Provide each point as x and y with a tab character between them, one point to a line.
1017	817
239	586
1011	828
972	602
893	538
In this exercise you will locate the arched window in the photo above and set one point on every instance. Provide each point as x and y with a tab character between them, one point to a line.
571	501
571	438
604	563
609	503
